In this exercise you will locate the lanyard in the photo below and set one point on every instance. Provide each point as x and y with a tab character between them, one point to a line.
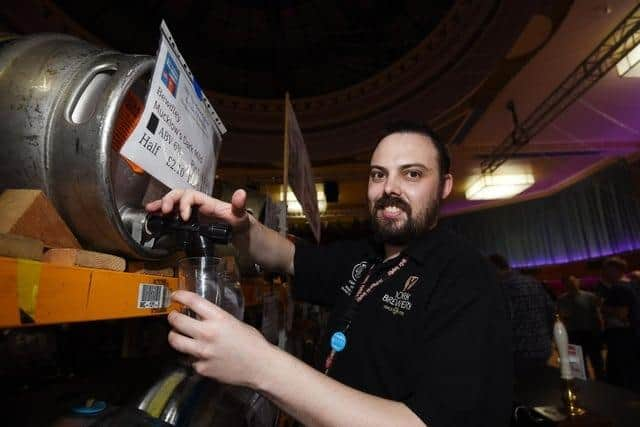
338	340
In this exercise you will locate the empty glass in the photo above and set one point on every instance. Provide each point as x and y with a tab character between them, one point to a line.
214	279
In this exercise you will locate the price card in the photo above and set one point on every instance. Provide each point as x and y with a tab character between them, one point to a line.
177	139
576	362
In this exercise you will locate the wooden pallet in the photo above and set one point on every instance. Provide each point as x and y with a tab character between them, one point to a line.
47	278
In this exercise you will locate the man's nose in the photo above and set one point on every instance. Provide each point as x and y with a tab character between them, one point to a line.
392	185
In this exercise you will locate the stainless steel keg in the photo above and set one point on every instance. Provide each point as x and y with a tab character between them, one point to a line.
61	107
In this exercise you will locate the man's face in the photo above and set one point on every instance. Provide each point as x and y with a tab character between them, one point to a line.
573	284
612	273
405	187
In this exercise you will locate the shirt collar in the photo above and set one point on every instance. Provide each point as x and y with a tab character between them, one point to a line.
421	248
418	249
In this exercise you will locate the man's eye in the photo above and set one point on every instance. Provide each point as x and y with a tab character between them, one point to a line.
376	175
413	174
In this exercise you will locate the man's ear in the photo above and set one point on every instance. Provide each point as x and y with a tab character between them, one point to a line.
447	185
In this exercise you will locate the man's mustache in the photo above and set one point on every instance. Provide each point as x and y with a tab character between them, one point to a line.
387	200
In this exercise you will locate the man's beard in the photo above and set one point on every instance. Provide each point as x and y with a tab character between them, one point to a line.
387	231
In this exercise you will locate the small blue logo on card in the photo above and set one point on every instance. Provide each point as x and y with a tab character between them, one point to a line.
170	74
197	88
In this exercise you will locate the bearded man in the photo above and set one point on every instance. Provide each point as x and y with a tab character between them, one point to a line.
419	333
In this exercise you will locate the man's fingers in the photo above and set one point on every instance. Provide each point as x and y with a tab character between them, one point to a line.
239	203
184	200
191	198
199	366
153	206
217	209
184	324
203	308
184	344
170	199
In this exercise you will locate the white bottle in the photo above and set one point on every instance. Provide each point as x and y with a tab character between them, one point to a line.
562	343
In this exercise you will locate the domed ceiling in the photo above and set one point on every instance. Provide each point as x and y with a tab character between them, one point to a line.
260	49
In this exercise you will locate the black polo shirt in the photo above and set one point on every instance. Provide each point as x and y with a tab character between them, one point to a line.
435	335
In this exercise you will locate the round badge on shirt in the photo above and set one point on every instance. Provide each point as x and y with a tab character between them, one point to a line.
338	341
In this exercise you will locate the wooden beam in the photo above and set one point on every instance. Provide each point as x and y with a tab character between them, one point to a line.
14	246
29	213
82	258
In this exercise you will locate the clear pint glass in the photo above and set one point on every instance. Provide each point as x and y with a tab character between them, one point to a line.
215	279
201	275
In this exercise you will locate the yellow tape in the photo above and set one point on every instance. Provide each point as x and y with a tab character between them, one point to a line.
164	392
28	278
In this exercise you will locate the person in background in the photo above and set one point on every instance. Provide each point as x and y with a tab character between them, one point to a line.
617	307
418	334
547	287
580	313
634	287
532	312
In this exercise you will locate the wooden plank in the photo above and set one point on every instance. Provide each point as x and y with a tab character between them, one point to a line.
62	294
81	258
29	213
152	268
14	246
54	294
110	294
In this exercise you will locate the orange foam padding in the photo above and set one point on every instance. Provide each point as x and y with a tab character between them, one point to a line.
128	118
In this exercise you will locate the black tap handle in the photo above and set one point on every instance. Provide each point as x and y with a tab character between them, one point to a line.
218	232
189	231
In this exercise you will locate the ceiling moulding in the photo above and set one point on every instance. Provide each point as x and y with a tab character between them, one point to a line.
437	102
534	36
476	35
421	66
454	130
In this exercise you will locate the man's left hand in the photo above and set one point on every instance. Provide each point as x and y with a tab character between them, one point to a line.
224	348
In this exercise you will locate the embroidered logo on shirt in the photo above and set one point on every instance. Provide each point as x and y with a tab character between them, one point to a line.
400	302
410	283
358	270
356	273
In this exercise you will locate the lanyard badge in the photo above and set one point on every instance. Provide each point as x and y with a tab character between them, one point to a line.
338	340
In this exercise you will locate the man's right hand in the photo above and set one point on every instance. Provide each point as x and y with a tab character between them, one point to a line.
263	245
234	213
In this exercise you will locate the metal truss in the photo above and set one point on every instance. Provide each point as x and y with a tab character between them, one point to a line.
600	61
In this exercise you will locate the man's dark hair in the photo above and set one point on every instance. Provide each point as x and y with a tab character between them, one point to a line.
444	159
499	261
615	262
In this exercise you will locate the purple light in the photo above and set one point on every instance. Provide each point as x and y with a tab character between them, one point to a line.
563	259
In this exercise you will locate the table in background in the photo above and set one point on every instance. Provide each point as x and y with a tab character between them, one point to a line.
618	405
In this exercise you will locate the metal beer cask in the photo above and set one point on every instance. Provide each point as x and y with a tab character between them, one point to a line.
60	109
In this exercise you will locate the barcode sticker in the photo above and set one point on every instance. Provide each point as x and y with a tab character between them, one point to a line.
153	296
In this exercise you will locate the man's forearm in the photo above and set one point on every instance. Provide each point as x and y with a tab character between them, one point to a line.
317	400
266	247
